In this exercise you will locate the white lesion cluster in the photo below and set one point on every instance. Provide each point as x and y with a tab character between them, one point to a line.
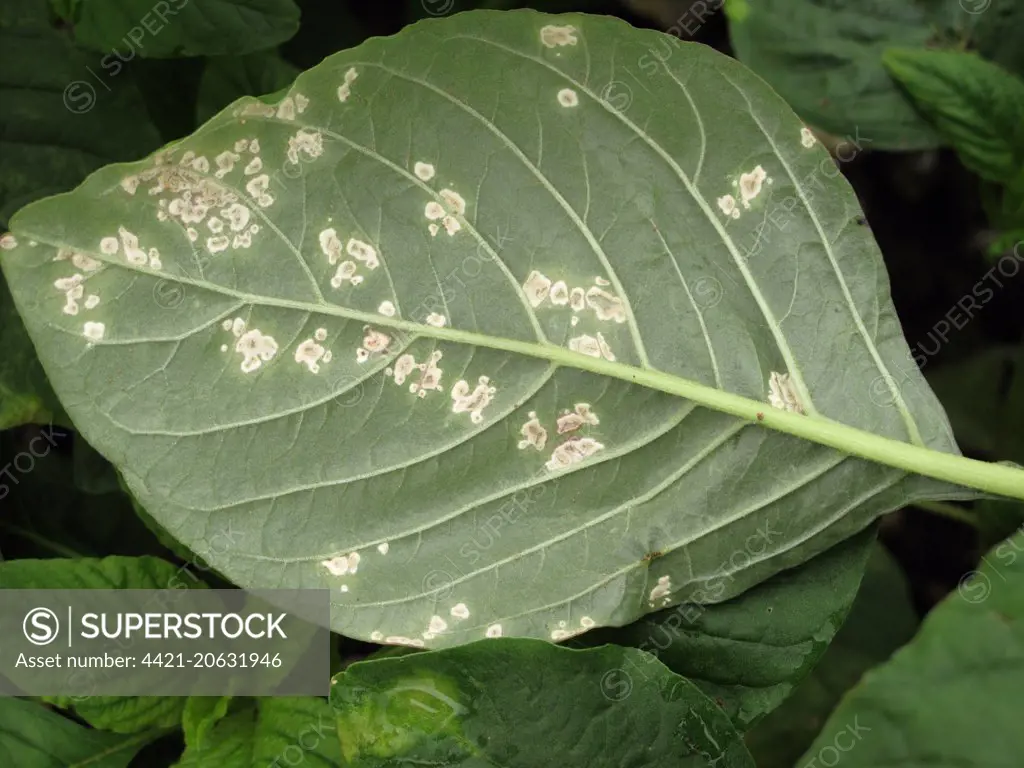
473	399
375	343
253	345
783	394
73	289
748	186
607	307
360	253
447	214
311	352
573	449
661	592
345	89
204	208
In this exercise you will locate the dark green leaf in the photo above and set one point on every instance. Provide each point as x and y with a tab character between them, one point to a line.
825	58
954	695
274	732
123	29
749	652
976	106
882	619
32	736
201	714
525	703
91	573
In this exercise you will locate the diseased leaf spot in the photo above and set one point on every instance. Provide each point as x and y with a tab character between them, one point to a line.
807	137
451	225
8	242
363	252
534	434
387	309
342	564
661	591
606	351
460	611
255	347
605	305
436	320
346	274
585	344
255	166
434	210
455	201
404	365
750	185
436	626
109	245
345	89
73	289
310	145
92	301
577	300
132	253
552	35
226	160
321	334
570	421
572	451
430	376
423	171
559	294
782	394
218	243
383	548
567	97
727	204
472	402
537	287
493	631
94	331
309	353
130	184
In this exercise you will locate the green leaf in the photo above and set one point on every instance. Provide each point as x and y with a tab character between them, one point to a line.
123	29
526	702
976	106
998	33
955	694
277	731
748	653
825	58
411	509
92	573
35	737
58	123
25	394
201	714
882	619
123	714
227	79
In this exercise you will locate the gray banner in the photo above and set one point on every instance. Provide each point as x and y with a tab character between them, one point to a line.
168	642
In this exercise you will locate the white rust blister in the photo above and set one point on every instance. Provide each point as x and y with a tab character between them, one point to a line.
751	183
386	308
363	252
582	414
93	331
436	320
456	203
537	287
451	225
782	393
430	376
661	591
133	254
534	434
807	137
423	171
567	97
465	400
559	294
8	242
552	35
309	353
572	451
256	348
404	365
459	611
727	205
434	210
605	305
307	144
342	565
494	630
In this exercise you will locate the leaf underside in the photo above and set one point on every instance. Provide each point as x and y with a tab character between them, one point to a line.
279	474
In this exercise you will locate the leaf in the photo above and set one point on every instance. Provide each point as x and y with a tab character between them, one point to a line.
227	79
49	144
606	706
748	653
91	573
123	29
34	737
825	58
122	714
277	731
955	694
882	620
201	714
998	33
25	395
976	106
431	525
